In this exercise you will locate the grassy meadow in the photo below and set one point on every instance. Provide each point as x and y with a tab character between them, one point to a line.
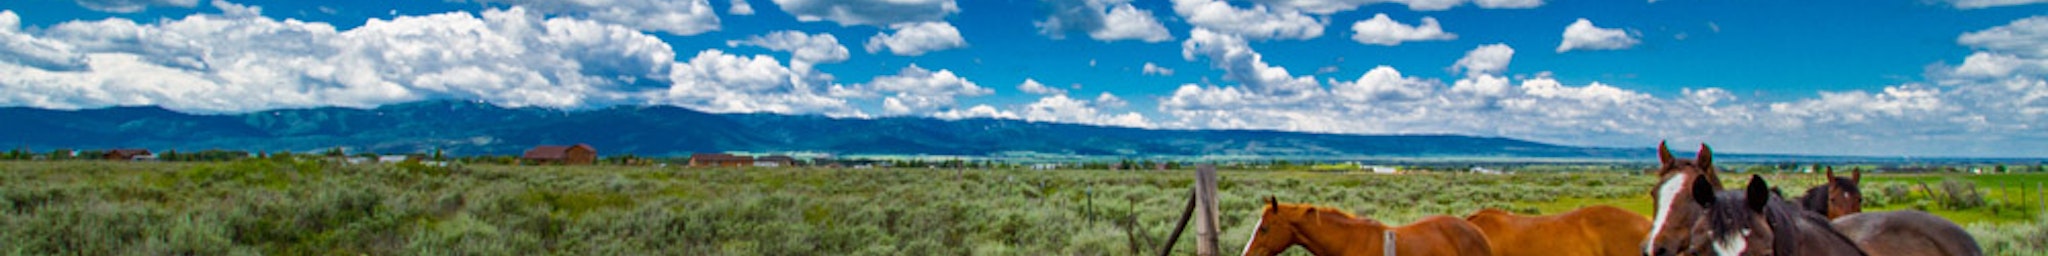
297	207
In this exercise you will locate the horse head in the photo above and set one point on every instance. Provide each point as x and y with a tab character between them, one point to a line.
1682	183
1276	231
1844	196
1724	223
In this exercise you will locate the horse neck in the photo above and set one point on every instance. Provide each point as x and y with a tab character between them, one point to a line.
1334	234
1809	233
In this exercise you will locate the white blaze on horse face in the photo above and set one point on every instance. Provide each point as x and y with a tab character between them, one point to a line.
1732	244
1666	195
1255	235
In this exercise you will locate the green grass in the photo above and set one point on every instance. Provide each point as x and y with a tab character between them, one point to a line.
313	208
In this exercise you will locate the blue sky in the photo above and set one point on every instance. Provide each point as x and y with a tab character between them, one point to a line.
1884	78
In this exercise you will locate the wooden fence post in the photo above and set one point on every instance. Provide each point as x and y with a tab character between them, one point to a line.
1205	217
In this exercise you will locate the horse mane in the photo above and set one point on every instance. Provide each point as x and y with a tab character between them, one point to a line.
1728	215
1788	221
1815	199
1318	208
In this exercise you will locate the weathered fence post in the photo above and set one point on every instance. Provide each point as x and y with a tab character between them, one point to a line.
1205	217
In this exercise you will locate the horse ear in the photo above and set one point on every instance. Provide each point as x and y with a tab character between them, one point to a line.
1272	202
1759	193
1706	159
1830	172
1703	191
1664	155
1856	174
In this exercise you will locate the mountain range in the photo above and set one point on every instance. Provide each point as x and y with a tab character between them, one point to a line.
472	128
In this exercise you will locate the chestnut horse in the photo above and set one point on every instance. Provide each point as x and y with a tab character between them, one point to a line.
1593	230
1678	176
1326	231
1836	198
1905	232
1752	221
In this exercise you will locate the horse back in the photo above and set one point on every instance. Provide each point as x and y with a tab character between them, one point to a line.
1907	232
1441	235
1612	230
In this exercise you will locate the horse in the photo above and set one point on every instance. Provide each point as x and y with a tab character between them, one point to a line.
1752	221
1906	232
1677	176
1326	231
1592	230
1836	198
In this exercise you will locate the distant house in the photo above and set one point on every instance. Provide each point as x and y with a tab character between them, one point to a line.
1484	170
1381	169
720	160
579	154
128	154
392	159
775	161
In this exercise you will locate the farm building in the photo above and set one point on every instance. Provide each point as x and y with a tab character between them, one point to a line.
775	161
579	154
128	154
720	160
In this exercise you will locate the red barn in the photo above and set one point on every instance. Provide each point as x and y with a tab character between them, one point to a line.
579	154
127	154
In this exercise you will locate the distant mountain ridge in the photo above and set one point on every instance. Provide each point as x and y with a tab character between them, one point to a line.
478	128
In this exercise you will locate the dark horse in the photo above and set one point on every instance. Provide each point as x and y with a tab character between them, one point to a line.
1905	232
1691	219
1838	197
1752	221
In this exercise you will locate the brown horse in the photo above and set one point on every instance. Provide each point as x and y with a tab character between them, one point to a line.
1593	230
1752	221
1838	197
1326	231
1678	176
1905	232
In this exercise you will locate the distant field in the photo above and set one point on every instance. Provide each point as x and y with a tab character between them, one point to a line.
305	207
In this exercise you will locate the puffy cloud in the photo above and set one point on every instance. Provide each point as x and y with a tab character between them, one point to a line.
1110	100
740	7
978	111
1241	64
1033	87
1582	35
804	49
913	39
1155	69
714	81
133	6
869	12
1259	22
212	64
1980	4
25	49
233	9
918	90
1381	30
2026	37
1334	6
1105	20
1487	59
1060	108
1381	84
679	17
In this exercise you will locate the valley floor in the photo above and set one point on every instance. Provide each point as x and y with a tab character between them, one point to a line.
310	207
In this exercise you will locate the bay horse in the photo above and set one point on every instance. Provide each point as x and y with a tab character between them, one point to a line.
1751	221
1837	197
1905	232
1327	231
1592	230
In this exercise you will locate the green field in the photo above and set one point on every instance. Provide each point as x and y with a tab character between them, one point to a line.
297	207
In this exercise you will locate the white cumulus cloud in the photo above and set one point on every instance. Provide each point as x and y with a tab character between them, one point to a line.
715	81
1980	4
869	12
917	90
1105	20
1240	63
1487	59
740	7
679	17
1155	69
805	49
1324	7
1582	35
1381	30
1258	22
913	39
133	6
1033	87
